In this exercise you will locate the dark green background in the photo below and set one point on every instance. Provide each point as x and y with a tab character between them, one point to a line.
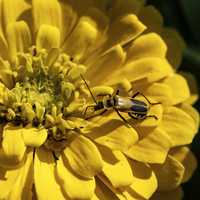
184	15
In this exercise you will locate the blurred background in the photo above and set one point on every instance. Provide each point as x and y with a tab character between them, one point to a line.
184	15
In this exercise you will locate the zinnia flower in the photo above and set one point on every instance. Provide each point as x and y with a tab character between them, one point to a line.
51	147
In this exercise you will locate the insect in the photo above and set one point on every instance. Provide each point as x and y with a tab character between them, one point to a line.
135	108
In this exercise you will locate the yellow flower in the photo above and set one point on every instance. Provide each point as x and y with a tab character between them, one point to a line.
51	147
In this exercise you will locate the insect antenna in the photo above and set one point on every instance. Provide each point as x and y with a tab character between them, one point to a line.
88	88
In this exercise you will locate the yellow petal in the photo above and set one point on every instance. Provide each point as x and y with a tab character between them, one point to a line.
101	23
81	6
19	38
48	37
123	30
121	7
160	92
187	159
192	112
113	133
34	137
3	46
44	176
144	180
152	18
114	164
6	77
102	90
180	90
148	45
151	149
46	12
10	15
69	18
104	65
169	174
153	69
83	157
72	185
176	194
83	36
175	44
117	193
23	185
178	125
13	147
102	192
7	180
192	83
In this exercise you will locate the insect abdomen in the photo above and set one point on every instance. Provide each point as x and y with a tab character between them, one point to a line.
139	106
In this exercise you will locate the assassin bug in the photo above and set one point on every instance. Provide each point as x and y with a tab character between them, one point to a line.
135	108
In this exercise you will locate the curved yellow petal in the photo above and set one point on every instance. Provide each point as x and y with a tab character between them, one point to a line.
13	147
148	45
101	23
152	69
48	37
152	18
77	46
102	90
74	186
176	194
122	30
144	180
6	78
121	7
169	174
151	149
112	132
7	180
105	64
18	37
192	112
34	137
23	185
117	194
46	12
44	176
160	92
178	125
69	19
175	44
11	11
3	46
81	6
114	164
102	192
192	83
83	157
187	159
180	90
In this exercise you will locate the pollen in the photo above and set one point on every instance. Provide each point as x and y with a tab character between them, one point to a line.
47	92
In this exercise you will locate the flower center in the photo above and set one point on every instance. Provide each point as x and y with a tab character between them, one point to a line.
46	93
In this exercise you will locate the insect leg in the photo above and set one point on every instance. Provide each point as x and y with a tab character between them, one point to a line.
153	116
87	109
139	93
129	113
117	92
54	156
88	88
148	116
121	116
